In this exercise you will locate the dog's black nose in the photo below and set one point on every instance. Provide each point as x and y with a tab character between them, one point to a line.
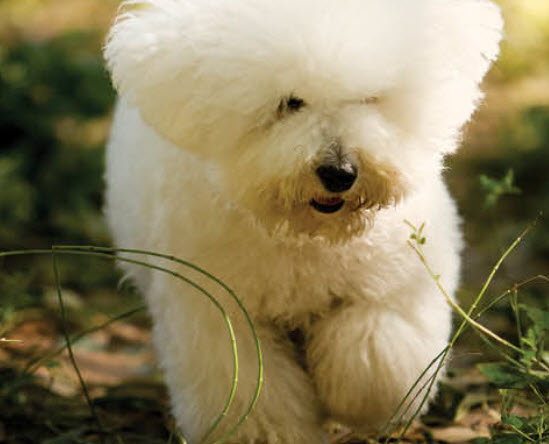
337	178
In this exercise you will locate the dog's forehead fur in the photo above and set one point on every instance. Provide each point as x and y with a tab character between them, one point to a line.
218	60
315	49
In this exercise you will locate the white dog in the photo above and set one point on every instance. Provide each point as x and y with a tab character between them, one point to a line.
280	145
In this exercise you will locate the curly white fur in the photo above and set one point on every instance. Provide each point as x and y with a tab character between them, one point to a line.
208	163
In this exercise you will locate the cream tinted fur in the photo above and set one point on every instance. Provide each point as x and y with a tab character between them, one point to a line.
204	165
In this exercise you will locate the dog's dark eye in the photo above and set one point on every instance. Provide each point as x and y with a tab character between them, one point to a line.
295	103
290	104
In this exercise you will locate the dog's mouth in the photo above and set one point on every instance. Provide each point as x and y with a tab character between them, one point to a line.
327	205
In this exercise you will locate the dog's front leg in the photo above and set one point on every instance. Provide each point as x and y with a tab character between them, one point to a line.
195	354
365	358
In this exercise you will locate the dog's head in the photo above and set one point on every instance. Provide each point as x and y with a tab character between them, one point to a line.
318	112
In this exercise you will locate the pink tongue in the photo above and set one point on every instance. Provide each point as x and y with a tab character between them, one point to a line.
329	200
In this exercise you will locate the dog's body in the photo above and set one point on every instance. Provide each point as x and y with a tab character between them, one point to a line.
275	146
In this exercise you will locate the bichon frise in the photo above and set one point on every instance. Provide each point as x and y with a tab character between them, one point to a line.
280	145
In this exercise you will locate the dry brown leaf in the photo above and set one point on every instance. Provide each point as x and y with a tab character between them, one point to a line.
458	434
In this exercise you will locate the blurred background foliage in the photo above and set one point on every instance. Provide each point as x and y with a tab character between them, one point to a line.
499	177
55	107
55	102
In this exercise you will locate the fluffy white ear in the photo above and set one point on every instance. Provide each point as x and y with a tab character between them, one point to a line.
462	37
469	33
151	59
140	49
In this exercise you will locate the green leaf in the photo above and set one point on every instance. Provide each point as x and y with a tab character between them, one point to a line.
509	438
515	421
528	357
505	376
496	188
539	317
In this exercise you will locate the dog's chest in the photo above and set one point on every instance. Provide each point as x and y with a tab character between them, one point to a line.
299	282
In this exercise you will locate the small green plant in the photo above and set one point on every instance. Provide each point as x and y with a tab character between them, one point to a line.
522	376
496	188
